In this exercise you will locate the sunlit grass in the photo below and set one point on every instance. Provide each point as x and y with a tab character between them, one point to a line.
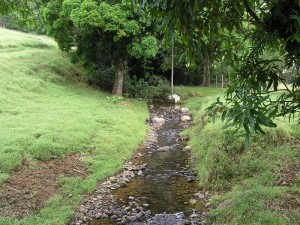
46	113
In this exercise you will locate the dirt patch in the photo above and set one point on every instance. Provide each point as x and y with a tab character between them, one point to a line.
289	174
29	188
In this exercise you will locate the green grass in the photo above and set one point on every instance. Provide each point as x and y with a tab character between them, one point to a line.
46	112
248	177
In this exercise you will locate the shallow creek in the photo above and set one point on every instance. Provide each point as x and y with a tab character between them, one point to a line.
156	186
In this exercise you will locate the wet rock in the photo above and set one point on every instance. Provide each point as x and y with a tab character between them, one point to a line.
185	118
140	173
131	198
132	218
105	215
225	203
146	205
98	216
158	120
128	208
163	149
139	209
140	214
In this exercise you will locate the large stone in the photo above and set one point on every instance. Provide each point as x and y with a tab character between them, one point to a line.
185	118
140	214
132	218
199	195
158	120
184	110
187	148
174	98
140	173
163	149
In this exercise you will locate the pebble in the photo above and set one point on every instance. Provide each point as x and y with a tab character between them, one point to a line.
146	205
199	195
131	198
132	218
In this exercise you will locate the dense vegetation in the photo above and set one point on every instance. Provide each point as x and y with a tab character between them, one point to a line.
261	183
46	112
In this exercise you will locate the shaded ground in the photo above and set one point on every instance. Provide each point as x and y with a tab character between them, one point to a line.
29	188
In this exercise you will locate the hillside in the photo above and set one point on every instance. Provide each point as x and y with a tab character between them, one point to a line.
46	114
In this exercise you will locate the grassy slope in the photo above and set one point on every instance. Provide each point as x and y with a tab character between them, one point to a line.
249	178
45	113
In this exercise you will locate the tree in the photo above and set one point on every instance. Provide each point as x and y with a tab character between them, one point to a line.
101	29
24	15
265	26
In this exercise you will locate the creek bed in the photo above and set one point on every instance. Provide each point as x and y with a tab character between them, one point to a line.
157	185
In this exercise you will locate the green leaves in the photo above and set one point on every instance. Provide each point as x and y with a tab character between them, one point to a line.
147	47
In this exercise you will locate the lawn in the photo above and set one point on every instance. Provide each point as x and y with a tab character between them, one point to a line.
46	112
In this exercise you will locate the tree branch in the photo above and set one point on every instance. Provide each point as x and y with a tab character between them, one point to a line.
257	21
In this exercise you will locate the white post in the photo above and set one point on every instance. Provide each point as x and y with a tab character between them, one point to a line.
172	71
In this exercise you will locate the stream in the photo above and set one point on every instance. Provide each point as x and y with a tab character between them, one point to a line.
157	185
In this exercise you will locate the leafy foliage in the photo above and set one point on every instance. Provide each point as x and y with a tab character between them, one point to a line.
101	32
261	26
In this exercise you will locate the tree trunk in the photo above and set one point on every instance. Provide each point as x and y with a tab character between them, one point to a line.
206	74
119	77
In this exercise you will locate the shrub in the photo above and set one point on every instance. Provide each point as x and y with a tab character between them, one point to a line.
153	87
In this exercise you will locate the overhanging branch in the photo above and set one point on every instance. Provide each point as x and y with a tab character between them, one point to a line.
257	21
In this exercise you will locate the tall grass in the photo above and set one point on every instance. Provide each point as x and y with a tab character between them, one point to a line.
46	113
250	178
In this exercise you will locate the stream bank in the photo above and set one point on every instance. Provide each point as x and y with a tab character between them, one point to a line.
157	185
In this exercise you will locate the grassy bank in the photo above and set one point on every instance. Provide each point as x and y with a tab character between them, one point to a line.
45	112
261	184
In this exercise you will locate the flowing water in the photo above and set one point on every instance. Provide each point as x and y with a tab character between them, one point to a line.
165	184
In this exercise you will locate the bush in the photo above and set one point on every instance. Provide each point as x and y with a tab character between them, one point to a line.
103	77
153	87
